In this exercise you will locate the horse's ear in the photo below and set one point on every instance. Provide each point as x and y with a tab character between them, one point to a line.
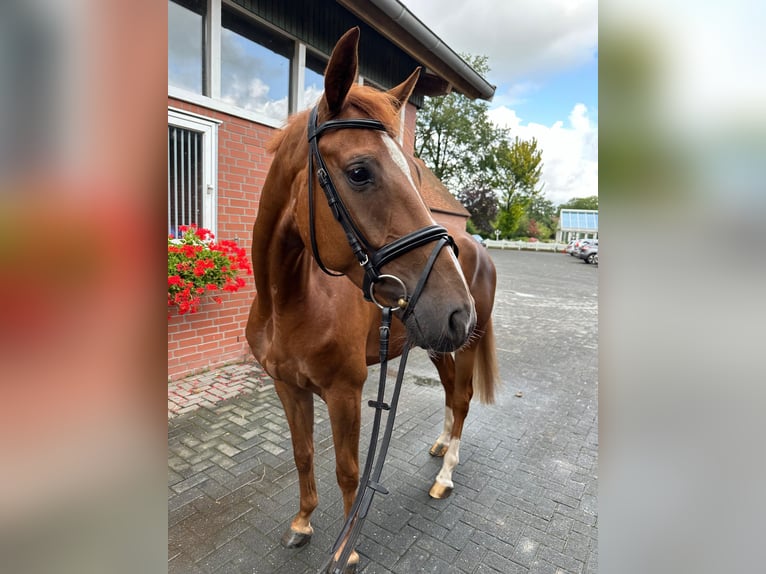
403	91
341	70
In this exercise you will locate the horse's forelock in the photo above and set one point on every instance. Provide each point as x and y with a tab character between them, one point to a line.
377	105
373	103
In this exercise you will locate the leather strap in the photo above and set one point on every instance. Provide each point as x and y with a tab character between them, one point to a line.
370	481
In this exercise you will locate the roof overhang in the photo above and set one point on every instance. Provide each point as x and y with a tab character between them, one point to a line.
444	69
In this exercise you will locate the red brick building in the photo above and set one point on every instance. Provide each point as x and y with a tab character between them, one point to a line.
236	69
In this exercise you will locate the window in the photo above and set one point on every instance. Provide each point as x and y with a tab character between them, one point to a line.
221	56
185	46
313	79
255	66
191	171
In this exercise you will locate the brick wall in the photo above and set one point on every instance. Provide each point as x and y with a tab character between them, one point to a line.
215	335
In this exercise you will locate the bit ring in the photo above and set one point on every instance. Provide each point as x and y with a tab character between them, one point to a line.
401	302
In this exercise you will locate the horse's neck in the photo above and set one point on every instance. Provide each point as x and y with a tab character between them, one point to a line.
277	253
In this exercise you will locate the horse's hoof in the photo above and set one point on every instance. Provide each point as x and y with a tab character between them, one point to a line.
439	491
294	539
438	449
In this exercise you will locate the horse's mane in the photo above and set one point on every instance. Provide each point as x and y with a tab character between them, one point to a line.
373	103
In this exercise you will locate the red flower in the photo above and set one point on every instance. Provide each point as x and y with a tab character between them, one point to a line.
198	265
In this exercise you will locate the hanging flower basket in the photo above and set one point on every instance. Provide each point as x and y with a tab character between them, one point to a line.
200	266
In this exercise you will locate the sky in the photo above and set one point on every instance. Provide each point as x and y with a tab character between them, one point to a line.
543	56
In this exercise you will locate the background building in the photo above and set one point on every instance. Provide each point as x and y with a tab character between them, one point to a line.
576	224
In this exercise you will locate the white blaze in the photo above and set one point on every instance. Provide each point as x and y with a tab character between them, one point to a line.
397	155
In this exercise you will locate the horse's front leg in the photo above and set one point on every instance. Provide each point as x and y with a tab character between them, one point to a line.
445	364
456	376
344	408
299	409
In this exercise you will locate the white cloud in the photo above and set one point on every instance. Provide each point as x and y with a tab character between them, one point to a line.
515	94
570	152
532	39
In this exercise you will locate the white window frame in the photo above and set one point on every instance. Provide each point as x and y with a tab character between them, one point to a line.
208	127
211	96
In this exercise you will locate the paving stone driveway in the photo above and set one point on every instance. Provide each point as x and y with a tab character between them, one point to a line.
525	488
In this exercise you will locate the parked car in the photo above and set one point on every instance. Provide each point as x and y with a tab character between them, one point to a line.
575	246
580	243
589	253
570	247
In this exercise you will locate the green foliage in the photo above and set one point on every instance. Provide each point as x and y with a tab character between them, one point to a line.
482	204
455	138
581	203
509	221
544	232
543	209
517	171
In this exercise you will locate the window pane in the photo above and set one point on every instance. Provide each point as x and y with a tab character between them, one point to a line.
313	79
185	56
184	178
255	67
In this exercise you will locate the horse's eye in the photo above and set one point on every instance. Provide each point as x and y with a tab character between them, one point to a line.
358	176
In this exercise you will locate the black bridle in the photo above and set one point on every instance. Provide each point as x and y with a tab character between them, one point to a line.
372	260
369	258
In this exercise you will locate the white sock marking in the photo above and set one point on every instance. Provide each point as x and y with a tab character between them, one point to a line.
451	459
448	420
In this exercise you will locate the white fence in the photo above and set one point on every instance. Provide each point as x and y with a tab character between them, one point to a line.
526	245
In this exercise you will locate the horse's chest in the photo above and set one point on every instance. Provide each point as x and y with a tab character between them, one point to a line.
303	348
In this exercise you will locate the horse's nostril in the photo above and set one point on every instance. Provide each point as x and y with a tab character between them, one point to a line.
459	322
454	320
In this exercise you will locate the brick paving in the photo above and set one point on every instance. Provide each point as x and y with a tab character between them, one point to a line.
525	498
214	386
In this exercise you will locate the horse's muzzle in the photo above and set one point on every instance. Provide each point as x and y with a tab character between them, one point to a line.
440	329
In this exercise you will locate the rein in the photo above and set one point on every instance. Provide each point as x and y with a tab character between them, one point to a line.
372	260
369	483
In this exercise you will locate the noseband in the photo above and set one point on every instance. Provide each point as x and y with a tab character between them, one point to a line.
369	258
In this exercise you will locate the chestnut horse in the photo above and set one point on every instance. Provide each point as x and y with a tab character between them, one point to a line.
316	334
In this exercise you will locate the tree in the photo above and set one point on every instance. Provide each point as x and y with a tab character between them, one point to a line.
517	174
542	209
482	204
545	214
511	220
581	203
517	171
455	138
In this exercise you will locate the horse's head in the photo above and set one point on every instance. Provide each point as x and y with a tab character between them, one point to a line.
379	231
